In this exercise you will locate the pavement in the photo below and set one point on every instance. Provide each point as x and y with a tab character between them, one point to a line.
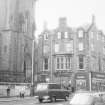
15	99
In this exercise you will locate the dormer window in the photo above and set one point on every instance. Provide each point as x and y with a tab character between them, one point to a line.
59	35
46	36
66	34
80	33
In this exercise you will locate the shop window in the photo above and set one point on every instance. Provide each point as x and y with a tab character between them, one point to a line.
97	36
62	63
93	63
80	84
68	63
103	65
69	46
46	49
103	39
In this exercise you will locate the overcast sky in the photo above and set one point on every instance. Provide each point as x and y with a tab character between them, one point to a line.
78	12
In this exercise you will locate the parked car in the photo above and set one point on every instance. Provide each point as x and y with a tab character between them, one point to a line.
51	91
85	98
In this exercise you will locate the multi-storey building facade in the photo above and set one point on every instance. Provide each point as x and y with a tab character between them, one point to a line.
60	44
73	56
17	35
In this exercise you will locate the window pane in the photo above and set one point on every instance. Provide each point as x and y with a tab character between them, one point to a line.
68	47
62	63
80	65
59	35
66	34
58	63
91	35
45	36
80	33
66	64
54	86
80	46
46	63
81	62
56	47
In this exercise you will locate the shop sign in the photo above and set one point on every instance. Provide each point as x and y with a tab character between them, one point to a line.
44	72
3	87
98	75
63	73
81	76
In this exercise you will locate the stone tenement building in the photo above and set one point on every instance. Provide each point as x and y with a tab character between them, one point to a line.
16	36
74	56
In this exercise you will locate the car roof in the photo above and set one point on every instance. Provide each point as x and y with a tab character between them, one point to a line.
49	83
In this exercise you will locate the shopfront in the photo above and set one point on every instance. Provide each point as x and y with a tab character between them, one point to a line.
82	81
98	81
63	77
43	76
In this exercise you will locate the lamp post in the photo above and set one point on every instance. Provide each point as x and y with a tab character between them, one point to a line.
33	49
32	81
51	75
32	72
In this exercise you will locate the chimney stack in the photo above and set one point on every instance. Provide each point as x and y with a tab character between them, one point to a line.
62	22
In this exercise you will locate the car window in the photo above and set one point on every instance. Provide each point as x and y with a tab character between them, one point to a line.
54	86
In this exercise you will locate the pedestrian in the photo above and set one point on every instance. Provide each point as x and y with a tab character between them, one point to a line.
8	92
20	95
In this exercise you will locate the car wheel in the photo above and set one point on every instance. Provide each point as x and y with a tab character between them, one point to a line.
53	99
66	98
40	100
